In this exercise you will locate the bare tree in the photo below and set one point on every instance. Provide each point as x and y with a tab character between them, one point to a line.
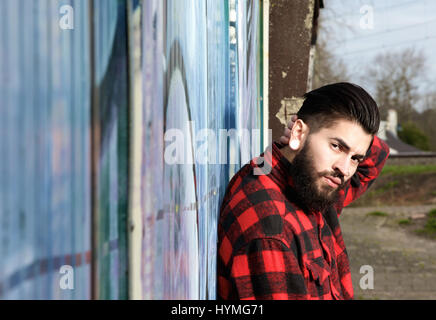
328	67
397	77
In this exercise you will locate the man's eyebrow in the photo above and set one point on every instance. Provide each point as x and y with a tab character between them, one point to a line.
345	146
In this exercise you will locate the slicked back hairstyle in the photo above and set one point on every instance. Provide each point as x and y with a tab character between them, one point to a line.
343	100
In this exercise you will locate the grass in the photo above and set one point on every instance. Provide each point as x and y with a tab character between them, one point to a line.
432	213
409	169
429	228
403	222
384	188
377	214
431	224
390	185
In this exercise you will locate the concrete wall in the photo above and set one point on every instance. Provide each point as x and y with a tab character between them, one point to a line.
290	35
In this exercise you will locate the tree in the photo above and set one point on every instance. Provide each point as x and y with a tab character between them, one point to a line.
328	68
411	134
396	76
427	120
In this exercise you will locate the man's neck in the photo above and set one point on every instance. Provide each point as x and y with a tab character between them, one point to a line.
288	153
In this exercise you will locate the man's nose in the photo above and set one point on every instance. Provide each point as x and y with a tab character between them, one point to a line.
343	165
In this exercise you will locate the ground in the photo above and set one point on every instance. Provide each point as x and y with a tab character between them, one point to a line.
404	262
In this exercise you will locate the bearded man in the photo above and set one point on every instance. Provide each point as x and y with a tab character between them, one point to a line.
278	234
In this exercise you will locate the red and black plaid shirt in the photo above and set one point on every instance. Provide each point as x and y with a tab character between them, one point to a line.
269	248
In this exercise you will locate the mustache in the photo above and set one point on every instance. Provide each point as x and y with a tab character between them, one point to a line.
333	175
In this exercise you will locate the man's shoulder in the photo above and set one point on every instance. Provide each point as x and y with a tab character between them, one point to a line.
254	208
245	183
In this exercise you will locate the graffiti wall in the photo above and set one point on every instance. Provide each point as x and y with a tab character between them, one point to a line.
200	84
45	216
58	91
121	116
110	148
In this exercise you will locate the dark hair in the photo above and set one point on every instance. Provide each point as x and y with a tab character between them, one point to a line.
343	100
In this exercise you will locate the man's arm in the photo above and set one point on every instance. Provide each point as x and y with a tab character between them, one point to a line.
267	269
367	171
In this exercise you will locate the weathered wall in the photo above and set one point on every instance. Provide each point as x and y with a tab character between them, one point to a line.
290	33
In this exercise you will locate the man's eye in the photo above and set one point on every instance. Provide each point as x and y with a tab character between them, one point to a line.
357	161
335	146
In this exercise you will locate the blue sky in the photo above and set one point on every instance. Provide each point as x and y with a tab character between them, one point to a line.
397	25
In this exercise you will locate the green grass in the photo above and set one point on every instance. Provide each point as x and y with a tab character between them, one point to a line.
385	187
429	228
390	185
403	222
411	169
431	224
426	233
432	213
382	189
377	214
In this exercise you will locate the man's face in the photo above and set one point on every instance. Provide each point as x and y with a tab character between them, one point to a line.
329	158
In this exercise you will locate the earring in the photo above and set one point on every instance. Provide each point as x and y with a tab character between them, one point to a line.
294	144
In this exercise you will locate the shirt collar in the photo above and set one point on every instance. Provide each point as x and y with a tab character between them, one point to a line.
279	170
277	167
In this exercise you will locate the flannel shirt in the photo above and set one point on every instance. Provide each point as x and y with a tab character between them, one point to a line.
269	248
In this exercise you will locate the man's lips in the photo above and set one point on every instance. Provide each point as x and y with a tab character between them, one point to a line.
333	181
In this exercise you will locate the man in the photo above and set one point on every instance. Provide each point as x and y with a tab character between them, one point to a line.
278	233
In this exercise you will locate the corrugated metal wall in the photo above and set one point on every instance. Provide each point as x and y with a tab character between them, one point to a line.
200	77
66	107
45	150
110	148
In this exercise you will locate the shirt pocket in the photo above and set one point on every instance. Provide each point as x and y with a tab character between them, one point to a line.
317	276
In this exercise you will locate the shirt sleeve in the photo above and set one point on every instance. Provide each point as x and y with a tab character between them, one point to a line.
267	269
367	171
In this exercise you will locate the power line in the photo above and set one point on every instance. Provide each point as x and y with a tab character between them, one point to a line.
387	46
354	13
384	32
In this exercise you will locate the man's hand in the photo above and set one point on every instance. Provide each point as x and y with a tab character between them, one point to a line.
284	139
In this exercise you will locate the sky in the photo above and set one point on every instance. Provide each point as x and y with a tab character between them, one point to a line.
395	26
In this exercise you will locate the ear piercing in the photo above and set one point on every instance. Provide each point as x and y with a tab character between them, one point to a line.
294	144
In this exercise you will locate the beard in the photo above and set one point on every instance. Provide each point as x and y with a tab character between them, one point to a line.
309	189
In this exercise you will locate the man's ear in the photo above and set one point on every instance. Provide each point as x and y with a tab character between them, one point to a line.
299	134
